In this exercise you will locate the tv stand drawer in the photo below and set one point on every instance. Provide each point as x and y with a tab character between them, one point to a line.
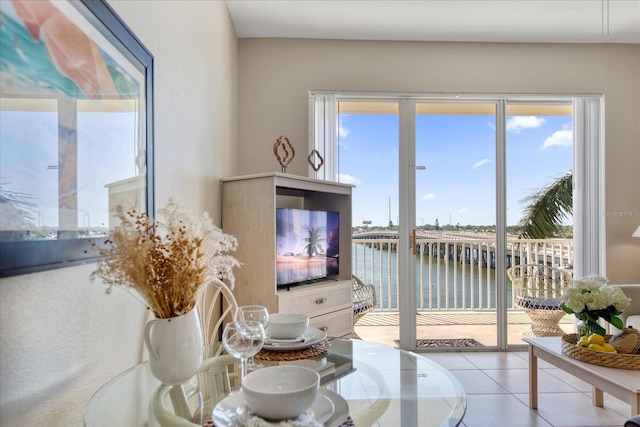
336	324
317	299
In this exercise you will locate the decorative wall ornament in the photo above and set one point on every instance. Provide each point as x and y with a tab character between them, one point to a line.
284	145
316	161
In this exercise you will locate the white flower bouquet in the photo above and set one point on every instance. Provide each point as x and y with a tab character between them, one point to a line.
591	298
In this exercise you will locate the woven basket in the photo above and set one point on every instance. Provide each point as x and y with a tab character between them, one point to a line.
610	360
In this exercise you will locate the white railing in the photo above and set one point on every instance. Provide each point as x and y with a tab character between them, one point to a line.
451	273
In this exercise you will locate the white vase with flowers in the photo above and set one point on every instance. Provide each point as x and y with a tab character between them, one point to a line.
166	263
591	298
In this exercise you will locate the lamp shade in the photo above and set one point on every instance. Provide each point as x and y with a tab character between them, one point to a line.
637	232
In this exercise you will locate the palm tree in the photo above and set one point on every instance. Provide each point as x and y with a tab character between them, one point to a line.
547	208
313	242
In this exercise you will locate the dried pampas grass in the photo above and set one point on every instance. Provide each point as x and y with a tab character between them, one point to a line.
166	262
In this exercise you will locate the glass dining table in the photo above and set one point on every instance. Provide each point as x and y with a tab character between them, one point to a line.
382	385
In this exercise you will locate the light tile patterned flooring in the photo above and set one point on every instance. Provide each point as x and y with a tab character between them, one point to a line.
497	385
497	388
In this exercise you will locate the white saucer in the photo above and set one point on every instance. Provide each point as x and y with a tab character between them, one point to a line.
233	412
301	338
340	408
311	336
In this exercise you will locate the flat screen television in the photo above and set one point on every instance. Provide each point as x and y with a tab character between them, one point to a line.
307	246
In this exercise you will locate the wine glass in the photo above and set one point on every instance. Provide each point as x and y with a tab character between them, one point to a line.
243	340
256	313
252	312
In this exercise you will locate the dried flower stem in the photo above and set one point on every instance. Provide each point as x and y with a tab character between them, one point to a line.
166	263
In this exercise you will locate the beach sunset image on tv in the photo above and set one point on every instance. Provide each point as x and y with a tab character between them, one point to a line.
306	245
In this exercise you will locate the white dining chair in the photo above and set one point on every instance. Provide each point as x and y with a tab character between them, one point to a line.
178	405
191	404
216	306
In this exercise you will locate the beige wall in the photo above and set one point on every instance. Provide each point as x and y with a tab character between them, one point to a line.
276	75
62	337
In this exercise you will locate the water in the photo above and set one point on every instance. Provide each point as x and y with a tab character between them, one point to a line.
381	270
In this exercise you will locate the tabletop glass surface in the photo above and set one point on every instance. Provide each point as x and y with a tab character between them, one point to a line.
380	384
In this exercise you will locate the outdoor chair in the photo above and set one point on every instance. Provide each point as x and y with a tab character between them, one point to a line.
364	298
538	290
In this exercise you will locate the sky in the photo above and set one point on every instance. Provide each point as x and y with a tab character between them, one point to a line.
107	134
29	161
457	185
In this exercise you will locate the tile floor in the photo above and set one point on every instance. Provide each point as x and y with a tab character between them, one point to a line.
497	384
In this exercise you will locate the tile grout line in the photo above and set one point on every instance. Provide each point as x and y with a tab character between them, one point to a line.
521	355
503	361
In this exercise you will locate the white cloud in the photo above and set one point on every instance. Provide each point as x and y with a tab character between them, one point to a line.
517	123
429	196
348	179
482	162
342	131
560	138
463	211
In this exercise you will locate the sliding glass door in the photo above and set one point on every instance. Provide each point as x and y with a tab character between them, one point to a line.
539	195
441	204
369	158
455	227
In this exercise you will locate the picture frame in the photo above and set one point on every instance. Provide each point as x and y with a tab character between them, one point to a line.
76	103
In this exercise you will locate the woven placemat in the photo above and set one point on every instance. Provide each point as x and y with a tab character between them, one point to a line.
315	350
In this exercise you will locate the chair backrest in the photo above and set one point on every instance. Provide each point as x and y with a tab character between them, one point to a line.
538	281
191	404
364	298
216	306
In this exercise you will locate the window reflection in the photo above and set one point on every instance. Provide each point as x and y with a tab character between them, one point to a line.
72	109
64	169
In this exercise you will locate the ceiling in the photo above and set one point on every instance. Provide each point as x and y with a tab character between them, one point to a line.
515	21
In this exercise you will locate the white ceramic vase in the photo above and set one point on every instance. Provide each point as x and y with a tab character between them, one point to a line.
175	347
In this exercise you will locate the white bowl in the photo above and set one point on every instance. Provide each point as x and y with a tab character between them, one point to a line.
280	392
287	326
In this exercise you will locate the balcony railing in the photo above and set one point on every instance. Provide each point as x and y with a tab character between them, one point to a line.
453	271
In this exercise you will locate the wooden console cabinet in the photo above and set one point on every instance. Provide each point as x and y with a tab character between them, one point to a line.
249	213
